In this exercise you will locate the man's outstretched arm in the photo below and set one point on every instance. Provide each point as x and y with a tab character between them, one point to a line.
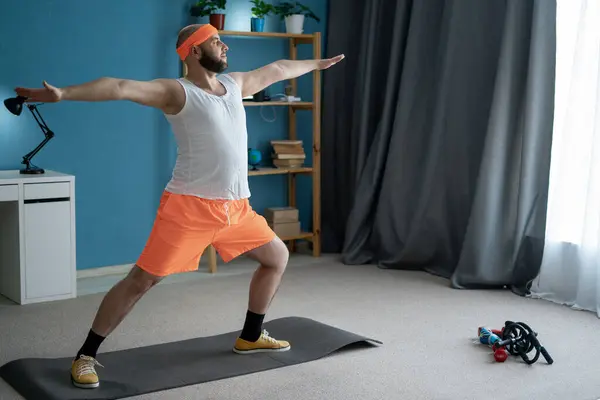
254	81
158	93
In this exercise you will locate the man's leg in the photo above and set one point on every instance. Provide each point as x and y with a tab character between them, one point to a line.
175	245
249	234
272	258
115	306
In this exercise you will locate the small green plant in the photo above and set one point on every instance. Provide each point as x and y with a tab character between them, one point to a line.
261	9
287	8
203	8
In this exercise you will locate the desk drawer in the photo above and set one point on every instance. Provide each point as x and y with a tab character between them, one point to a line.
9	192
56	190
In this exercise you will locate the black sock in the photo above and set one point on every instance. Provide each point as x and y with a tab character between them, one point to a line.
91	345
252	327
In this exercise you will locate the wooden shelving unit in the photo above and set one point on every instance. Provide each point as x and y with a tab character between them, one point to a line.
315	106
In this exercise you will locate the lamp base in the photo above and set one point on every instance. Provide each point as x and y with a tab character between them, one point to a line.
32	170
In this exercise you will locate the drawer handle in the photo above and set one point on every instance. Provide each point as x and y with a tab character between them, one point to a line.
49	200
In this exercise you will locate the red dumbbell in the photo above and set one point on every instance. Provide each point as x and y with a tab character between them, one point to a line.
500	354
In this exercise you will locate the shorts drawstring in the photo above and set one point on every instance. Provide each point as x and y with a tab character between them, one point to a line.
227	212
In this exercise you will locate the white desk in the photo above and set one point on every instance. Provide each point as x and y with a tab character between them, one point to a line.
37	237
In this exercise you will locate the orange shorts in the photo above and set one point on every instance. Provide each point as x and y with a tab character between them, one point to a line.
185	225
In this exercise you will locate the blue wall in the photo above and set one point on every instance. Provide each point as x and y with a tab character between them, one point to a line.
121	153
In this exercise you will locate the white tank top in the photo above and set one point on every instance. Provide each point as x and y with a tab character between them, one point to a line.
211	136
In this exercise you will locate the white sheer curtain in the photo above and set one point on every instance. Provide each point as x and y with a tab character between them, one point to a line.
570	272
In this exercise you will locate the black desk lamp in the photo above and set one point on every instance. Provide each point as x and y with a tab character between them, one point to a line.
15	106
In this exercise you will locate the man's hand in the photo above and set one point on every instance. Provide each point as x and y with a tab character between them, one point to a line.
47	94
324	64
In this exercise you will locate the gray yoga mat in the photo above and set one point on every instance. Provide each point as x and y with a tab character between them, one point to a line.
165	366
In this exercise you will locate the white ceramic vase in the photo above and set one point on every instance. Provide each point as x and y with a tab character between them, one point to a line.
294	23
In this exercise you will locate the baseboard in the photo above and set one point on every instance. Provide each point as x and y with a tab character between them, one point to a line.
102	271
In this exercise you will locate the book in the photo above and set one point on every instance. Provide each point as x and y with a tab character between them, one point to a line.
288	153
291	163
288	156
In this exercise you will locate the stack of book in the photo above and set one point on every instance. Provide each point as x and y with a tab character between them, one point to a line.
283	220
288	153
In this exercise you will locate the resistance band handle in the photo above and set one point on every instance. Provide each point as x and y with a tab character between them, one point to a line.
544	352
540	348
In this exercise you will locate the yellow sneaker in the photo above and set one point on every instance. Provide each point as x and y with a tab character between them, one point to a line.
83	374
265	343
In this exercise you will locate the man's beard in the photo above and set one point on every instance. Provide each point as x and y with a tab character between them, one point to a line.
212	64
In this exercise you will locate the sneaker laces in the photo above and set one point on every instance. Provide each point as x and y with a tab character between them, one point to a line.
268	338
86	365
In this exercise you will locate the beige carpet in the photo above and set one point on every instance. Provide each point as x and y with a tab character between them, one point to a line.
427	328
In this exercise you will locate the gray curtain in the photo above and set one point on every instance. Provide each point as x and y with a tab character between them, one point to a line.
437	131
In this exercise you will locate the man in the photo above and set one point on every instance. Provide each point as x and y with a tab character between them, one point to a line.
206	200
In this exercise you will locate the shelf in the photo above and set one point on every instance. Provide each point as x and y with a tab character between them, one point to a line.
279	171
302	235
300	38
303	105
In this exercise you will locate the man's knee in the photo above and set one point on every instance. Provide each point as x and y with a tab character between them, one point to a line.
140	281
274	254
281	255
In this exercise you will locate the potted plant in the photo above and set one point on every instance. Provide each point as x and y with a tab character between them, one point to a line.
203	8
294	13
260	10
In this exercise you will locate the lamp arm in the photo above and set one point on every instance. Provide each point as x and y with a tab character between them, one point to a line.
47	133
40	120
33	152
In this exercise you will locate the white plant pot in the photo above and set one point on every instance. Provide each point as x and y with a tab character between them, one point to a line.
294	23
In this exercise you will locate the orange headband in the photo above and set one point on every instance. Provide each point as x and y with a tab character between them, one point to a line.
201	34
